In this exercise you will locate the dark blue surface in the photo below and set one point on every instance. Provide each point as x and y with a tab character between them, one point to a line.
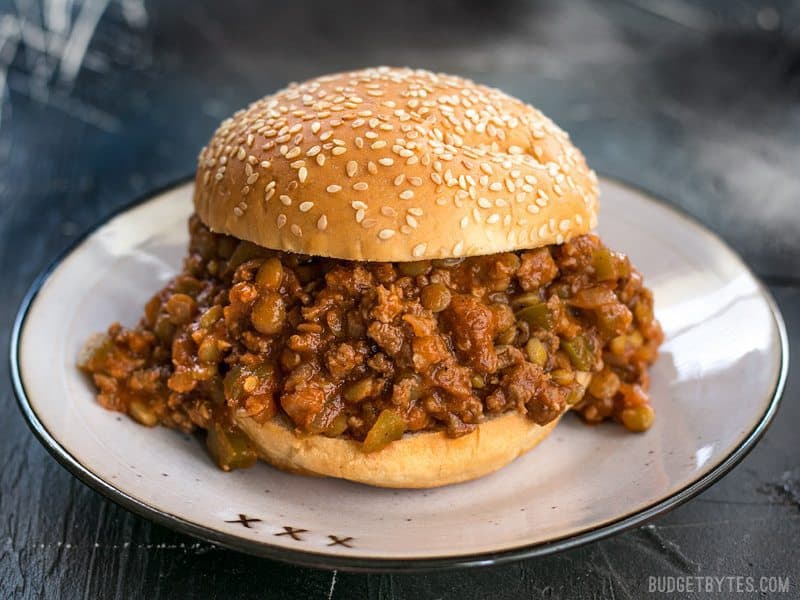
697	102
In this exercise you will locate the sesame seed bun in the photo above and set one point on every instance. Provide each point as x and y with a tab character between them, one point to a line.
393	164
418	460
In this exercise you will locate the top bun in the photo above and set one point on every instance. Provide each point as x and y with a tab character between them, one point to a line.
392	164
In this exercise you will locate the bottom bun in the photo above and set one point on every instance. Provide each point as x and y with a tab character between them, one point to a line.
418	460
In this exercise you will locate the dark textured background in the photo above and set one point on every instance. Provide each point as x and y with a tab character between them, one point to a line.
696	102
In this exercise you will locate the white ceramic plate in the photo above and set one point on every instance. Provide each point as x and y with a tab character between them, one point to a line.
715	389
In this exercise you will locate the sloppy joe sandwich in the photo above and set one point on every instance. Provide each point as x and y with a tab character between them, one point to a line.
391	278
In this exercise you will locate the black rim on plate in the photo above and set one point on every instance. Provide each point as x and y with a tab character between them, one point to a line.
329	561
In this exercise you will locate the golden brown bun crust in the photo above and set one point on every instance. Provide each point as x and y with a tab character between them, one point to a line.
421	460
394	164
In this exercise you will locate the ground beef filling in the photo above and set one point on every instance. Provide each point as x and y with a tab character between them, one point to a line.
368	351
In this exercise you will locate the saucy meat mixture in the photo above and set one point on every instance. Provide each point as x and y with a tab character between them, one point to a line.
368	351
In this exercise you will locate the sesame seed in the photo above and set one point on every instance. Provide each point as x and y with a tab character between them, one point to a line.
417	212
419	250
333	188
434	124
238	211
458	248
358	204
322	223
385	234
296	230
406	195
306	206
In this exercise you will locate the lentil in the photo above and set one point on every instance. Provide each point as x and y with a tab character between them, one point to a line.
343	347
